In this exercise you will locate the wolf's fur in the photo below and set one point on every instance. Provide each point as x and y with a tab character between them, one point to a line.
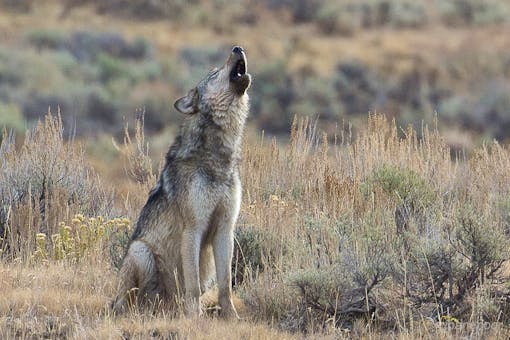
185	230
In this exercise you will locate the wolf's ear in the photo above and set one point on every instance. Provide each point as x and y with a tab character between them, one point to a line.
185	104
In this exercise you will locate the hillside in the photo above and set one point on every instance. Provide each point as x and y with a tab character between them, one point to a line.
409	60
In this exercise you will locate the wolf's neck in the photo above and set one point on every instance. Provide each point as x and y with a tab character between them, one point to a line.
216	136
231	124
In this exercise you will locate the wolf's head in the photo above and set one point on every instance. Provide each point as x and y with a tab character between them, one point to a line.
222	90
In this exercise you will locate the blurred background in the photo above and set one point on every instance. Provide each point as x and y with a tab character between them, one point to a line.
102	62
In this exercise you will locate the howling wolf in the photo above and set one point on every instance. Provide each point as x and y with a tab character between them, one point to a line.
185	230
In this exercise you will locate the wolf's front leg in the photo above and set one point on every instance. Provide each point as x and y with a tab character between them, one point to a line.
197	214
223	249
190	253
223	246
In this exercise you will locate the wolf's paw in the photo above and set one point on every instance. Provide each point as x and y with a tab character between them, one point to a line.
228	312
193	309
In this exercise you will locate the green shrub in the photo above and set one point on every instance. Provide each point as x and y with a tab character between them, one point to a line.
467	12
254	251
67	63
346	17
402	185
343	289
486	113
326	298
357	87
411	195
87	46
407	13
274	301
112	68
300	10
18	5
336	18
449	264
11	118
483	243
144	9
46	39
272	94
316	96
337	269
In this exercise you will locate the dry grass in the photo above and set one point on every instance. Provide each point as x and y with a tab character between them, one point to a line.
59	300
338	240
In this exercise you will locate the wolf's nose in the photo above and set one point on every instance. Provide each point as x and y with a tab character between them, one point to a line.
237	50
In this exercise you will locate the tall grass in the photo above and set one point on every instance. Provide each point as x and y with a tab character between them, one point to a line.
381	234
42	182
386	227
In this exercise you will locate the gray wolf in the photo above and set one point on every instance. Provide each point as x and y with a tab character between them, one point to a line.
184	233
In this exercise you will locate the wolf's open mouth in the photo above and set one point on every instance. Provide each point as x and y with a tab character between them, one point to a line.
238	70
239	78
241	68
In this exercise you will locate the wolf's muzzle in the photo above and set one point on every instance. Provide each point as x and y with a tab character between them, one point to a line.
237	50
239	77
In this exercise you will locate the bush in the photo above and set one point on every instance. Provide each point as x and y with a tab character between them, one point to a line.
10	75
328	280
158	110
327	299
403	14
486	114
410	194
87	46
143	9
83	238
403	186
38	104
41	183
301	10
254	250
344	291
356	86
272	94
316	96
349	16
457	259
87	75
112	68
468	12
11	118
18	5
46	39
333	17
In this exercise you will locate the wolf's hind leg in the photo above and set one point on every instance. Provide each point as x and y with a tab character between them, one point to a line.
138	276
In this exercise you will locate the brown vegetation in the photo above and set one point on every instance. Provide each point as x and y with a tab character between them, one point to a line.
378	234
